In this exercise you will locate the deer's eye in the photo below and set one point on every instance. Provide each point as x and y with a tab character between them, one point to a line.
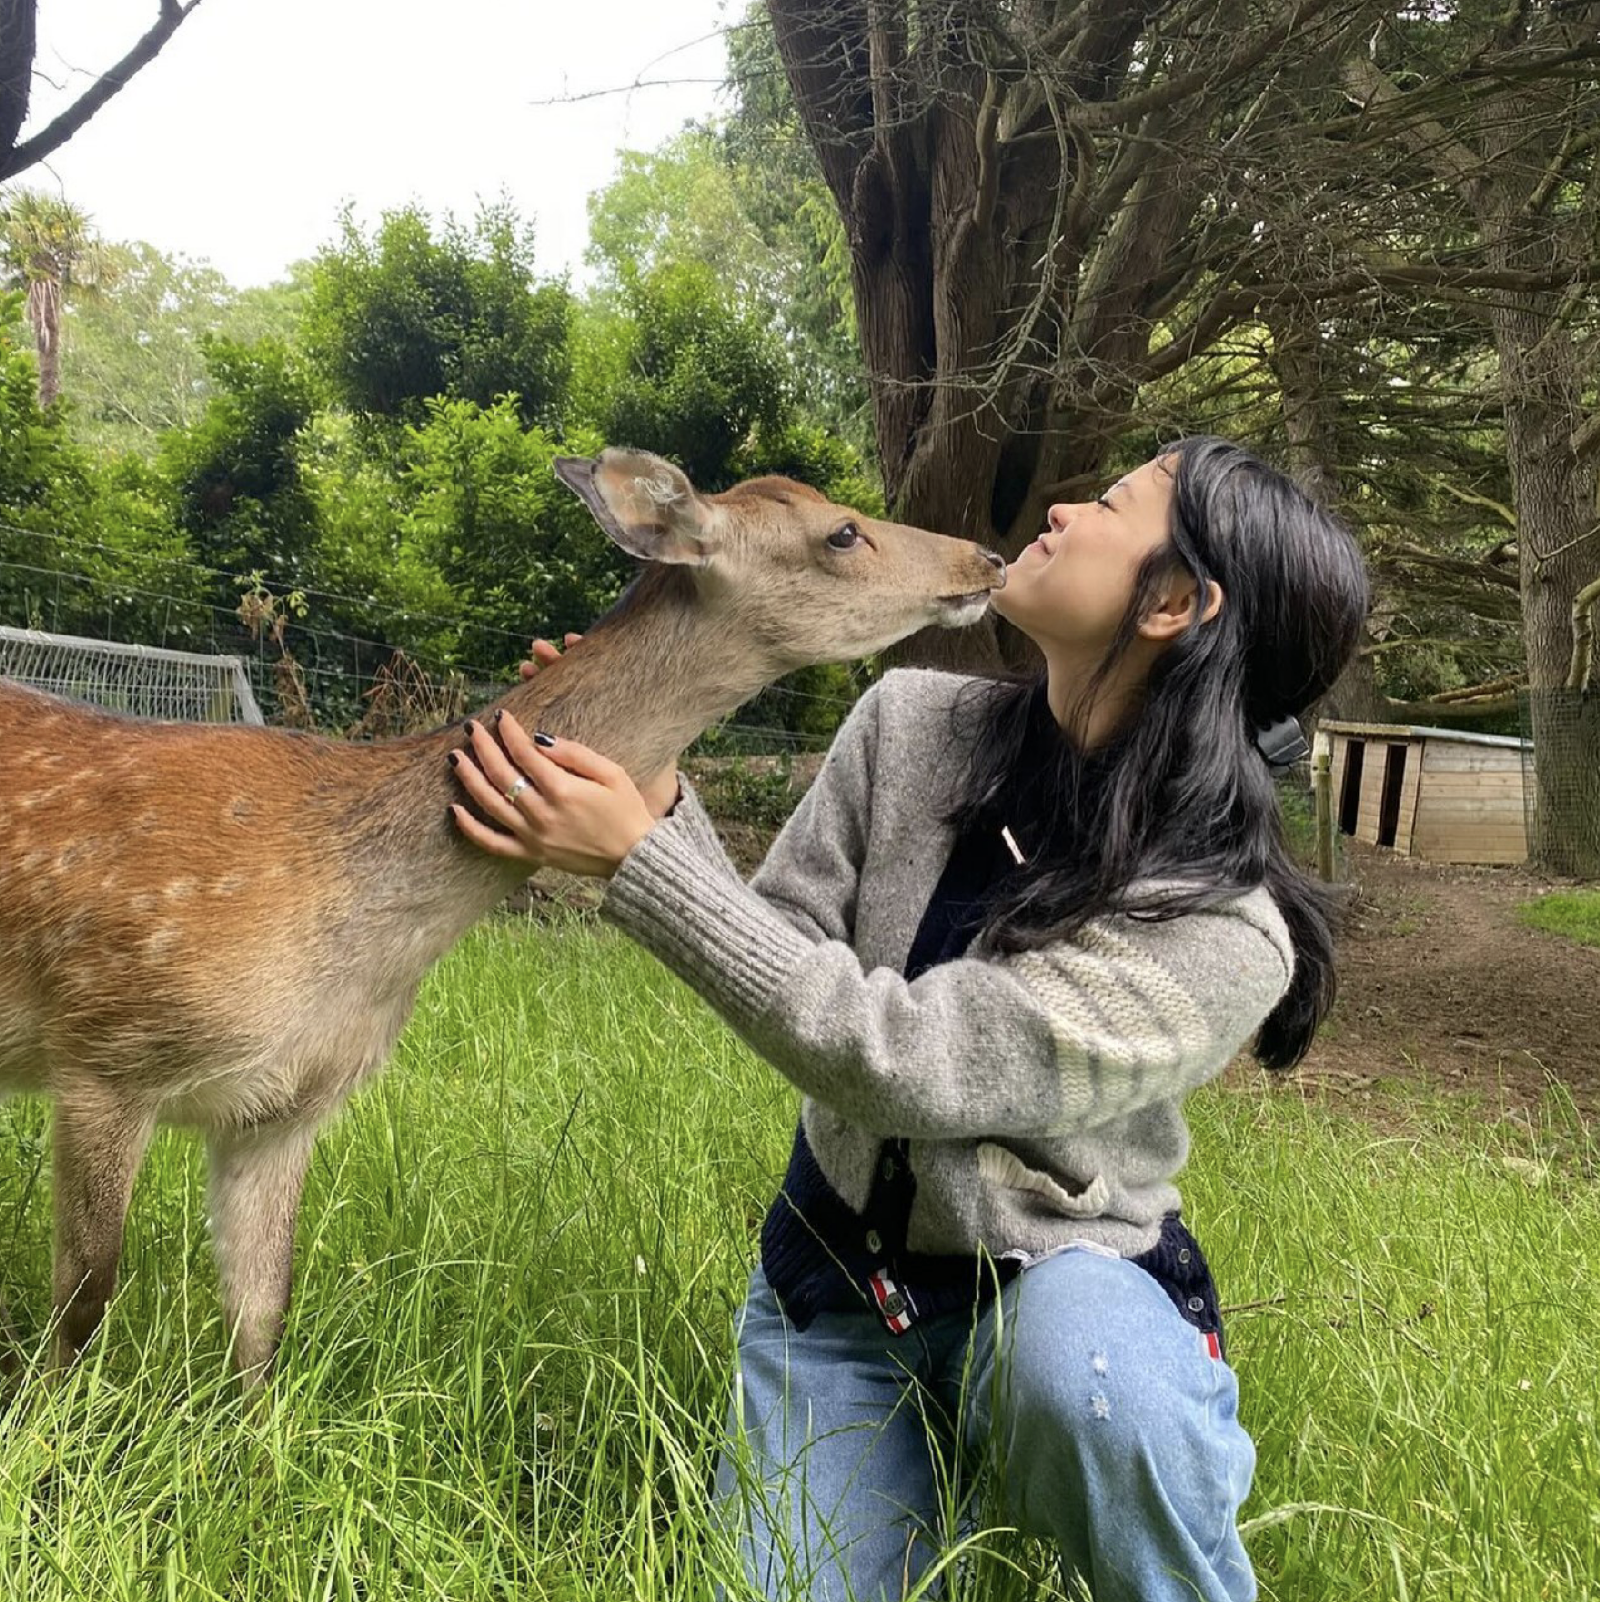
845	538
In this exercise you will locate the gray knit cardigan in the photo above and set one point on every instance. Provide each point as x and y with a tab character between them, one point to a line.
1042	1092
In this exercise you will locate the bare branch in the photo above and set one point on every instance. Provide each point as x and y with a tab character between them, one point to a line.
1456	565
1369	86
110	82
1131	108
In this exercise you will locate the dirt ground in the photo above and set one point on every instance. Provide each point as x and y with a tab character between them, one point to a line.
1441	984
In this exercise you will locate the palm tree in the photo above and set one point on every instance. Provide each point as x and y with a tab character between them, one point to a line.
47	247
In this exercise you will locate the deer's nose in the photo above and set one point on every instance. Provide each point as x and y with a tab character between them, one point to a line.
998	563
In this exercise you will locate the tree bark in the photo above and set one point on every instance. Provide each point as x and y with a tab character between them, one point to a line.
18	44
44	314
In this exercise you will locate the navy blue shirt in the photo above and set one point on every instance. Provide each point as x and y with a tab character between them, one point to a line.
819	1254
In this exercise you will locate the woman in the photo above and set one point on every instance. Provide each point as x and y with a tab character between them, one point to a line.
1006	932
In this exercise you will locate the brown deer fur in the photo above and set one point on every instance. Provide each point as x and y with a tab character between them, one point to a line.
225	928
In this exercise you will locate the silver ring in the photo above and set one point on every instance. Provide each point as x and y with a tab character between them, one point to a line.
518	785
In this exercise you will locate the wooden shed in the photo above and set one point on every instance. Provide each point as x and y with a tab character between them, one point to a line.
1439	794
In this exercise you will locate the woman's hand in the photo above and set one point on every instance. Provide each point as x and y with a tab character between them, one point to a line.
553	803
660	793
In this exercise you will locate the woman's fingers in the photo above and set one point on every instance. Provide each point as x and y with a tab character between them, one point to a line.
497	767
490	801
580	760
485	838
544	653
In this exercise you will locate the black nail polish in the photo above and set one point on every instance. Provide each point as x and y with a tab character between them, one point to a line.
498	714
455	759
472	728
546	740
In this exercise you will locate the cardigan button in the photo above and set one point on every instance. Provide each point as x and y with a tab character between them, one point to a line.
1196	1305
874	1241
1184	1254
894	1304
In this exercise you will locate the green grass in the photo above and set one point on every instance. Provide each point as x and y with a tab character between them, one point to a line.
507	1362
1573	913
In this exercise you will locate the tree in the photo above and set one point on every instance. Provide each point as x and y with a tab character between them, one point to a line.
47	246
1040	221
483	502
733	201
1499	108
398	319
18	44
236	474
84	549
700	378
134	355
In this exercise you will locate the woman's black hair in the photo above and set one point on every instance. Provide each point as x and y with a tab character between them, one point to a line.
1182	794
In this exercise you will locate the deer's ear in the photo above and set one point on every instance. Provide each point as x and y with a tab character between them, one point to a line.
643	503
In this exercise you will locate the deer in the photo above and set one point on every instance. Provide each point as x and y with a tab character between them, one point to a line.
225	927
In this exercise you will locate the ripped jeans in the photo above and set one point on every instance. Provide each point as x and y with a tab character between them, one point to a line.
1108	1427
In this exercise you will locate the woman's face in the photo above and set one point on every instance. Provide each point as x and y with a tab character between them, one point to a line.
1071	587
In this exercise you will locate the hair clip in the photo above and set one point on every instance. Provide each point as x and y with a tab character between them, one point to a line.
1282	743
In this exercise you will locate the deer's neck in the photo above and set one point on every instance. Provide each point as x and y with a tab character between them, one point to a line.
644	683
639	688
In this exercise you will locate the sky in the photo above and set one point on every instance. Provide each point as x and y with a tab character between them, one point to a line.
261	118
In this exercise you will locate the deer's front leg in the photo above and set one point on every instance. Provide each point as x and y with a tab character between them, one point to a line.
256	1179
98	1146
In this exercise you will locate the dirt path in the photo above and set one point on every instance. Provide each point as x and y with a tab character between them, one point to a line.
1439	981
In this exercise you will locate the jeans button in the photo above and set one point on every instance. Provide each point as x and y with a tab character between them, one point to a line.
874	1241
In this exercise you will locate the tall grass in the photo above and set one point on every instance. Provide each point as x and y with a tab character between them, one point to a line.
519	1258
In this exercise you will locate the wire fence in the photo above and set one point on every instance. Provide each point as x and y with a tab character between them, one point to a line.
141	680
1561	780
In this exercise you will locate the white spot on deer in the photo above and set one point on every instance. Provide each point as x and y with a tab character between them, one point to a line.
179	890
159	940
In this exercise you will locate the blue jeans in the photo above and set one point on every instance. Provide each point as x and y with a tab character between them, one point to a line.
1109	1430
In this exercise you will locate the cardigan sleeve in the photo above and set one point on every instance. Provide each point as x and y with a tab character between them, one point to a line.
1088	1029
812	869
